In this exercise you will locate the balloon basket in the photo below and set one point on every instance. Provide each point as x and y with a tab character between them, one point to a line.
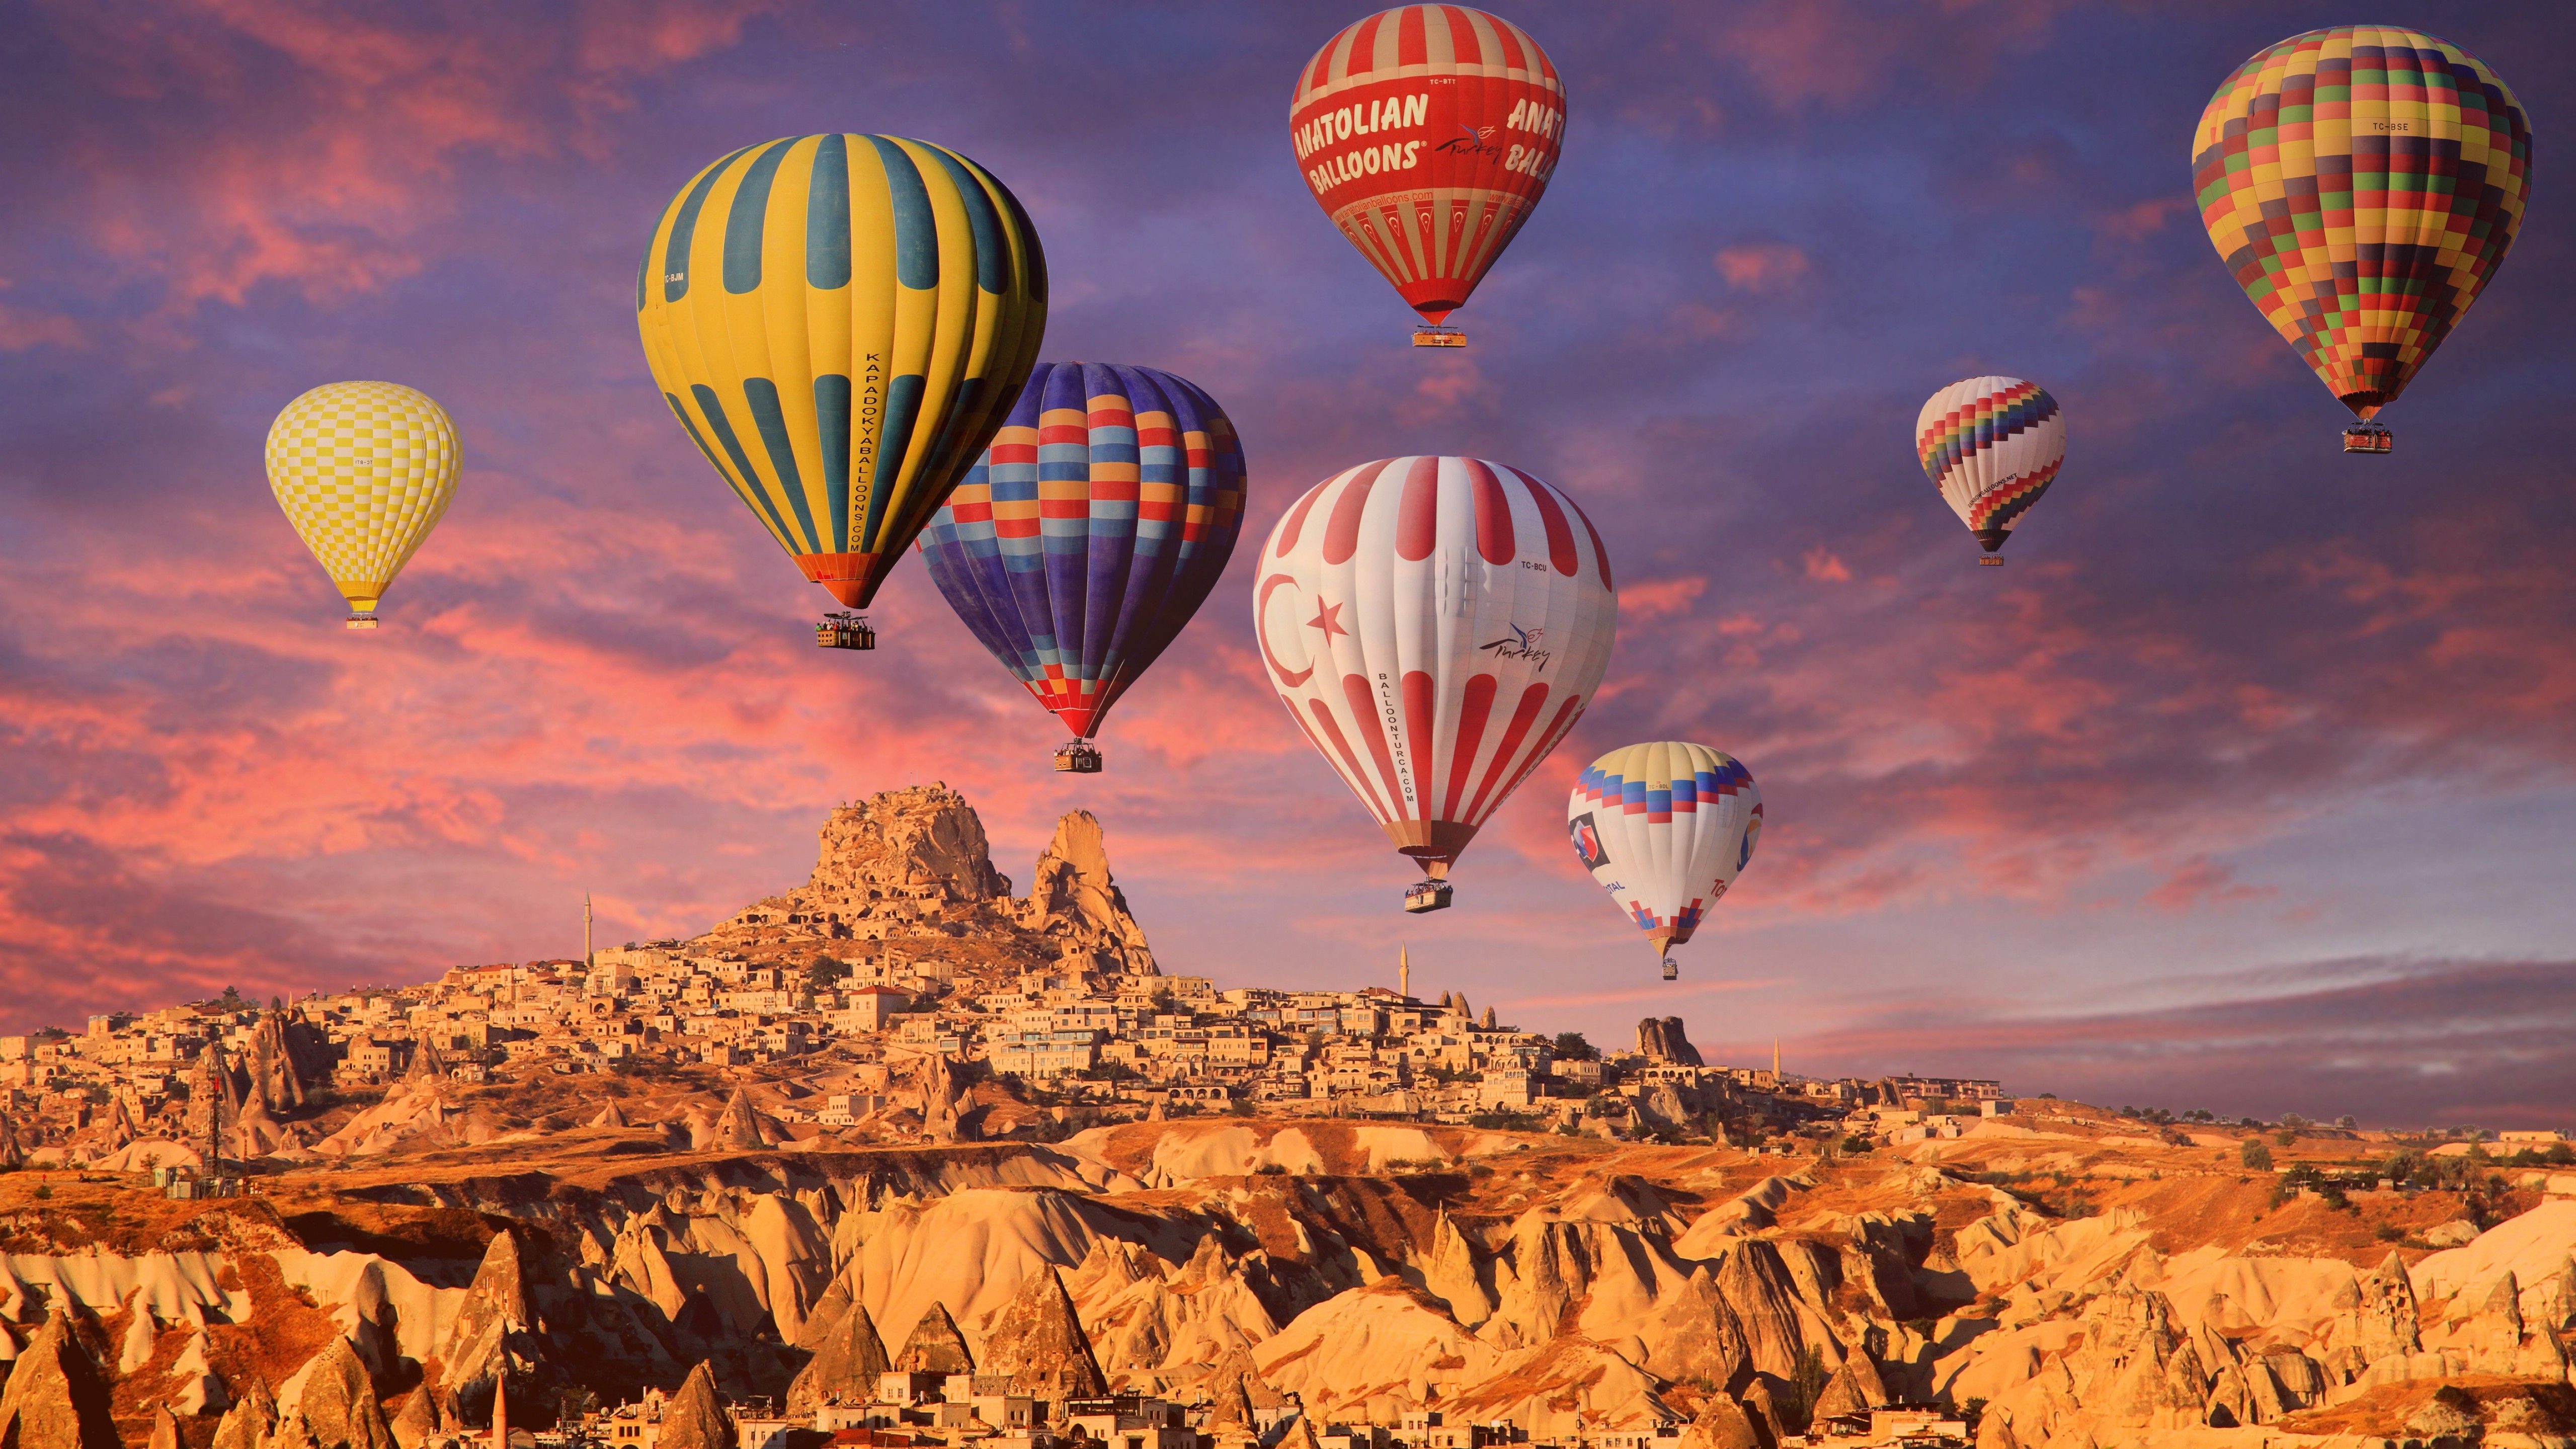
1438	336
2368	438
844	631
359	621
1078	758
1990	561
1427	895
1672	969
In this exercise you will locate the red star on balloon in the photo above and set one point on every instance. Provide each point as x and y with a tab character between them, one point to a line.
1328	617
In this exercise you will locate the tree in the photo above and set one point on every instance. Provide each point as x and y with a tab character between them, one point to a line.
2255	1156
1806	1385
825	974
1571	1047
2346	1122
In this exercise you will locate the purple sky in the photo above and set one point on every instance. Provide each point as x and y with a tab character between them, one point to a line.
2250	784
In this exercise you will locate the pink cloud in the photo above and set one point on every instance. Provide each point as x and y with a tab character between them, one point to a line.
1762	267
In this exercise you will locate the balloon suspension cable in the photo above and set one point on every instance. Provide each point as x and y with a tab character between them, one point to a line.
1437	334
2368	438
1427	895
1079	757
360	619
844	630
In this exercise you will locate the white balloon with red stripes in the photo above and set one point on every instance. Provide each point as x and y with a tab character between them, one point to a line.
1435	626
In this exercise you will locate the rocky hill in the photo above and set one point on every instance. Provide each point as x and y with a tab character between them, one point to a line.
2059	1277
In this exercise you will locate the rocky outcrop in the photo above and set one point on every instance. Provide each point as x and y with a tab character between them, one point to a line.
1661	1039
496	1307
936	1347
739	1128
1038	1340
247	1424
338	1408
419	1422
848	1359
1073	896
1723	1424
695	1418
56	1398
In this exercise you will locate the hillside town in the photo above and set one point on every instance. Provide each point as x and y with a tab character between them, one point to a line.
866	1007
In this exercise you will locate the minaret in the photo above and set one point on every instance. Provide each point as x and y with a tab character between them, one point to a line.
1775	1063
1403	972
587	959
501	1408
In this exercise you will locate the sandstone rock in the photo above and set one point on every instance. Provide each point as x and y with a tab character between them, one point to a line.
1723	1424
1765	1414
846	1365
739	1128
1073	896
419	1421
56	1398
1038	1340
496	1307
338	1407
1451	1273
1661	1039
1696	1335
936	1346
248	1423
2451	1413
943	1094
695	1418
2453	1234
165	1429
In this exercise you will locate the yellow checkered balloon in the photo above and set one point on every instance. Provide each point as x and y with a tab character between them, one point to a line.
364	471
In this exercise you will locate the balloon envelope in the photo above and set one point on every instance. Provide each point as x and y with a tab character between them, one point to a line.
840	323
1664	828
1435	626
1091	530
1992	445
1428	133
364	471
2363	182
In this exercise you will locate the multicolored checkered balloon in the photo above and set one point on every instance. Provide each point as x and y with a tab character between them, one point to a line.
364	471
2363	182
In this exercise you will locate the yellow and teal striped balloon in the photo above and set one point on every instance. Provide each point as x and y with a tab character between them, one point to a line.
841	323
364	471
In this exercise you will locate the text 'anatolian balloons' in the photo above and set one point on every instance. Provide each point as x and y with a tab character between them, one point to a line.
840	323
1427	133
1435	626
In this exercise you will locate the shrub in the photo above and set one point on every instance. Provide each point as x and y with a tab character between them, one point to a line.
2255	1155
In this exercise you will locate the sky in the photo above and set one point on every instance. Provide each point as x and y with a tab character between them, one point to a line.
2248	785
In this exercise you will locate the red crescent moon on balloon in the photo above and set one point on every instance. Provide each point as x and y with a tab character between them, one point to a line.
1288	679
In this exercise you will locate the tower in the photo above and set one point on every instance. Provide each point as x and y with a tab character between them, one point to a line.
1775	1063
587	959
1403	972
501	1406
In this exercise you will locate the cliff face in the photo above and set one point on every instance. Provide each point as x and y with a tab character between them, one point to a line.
913	868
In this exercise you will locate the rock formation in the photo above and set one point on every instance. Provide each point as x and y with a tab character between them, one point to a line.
1723	1424
496	1307
56	1397
848	1360
1661	1039
936	1347
1038	1340
338	1407
1073	896
695	1418
739	1128
247	1424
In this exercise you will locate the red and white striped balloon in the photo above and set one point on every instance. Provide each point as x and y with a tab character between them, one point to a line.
1435	626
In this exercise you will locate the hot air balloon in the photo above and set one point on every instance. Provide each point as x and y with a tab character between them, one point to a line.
1992	445
840	323
364	471
1435	626
1428	133
2363	182
1664	828
1089	533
